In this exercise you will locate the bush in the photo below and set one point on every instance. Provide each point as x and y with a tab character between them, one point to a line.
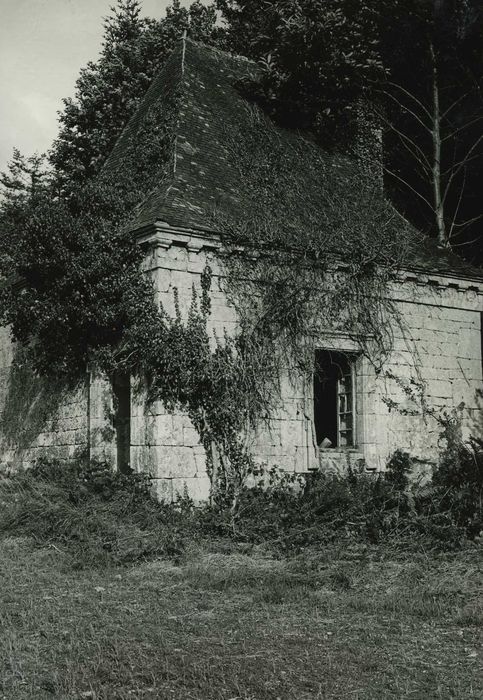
291	512
96	515
458	480
103	517
398	470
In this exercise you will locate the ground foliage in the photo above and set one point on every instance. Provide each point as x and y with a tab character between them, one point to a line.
459	477
218	622
102	517
291	513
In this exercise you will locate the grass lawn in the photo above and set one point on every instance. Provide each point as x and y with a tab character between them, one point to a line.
361	623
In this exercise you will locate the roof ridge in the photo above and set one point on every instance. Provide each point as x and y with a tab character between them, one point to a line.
220	52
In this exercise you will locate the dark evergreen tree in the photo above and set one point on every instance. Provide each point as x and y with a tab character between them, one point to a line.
25	178
108	91
321	59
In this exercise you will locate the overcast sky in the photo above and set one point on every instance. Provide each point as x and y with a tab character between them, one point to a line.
43	44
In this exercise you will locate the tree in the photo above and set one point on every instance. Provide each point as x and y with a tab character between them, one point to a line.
434	112
25	178
321	59
418	62
109	90
82	293
81	288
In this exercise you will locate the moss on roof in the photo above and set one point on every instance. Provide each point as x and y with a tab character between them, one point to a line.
196	95
200	82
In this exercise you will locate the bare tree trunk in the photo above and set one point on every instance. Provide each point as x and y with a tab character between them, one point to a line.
436	166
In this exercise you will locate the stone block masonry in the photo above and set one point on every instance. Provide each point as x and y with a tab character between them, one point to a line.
437	348
437	352
42	419
37	418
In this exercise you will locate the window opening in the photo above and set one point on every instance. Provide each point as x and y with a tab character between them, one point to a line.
334	397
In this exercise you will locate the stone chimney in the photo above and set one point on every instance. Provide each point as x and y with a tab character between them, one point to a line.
368	144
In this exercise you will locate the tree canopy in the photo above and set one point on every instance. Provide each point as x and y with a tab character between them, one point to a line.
108	90
418	62
321	59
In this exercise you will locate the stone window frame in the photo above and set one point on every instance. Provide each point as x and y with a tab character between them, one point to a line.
354	357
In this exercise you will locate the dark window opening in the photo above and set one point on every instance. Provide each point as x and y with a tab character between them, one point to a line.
122	421
334	399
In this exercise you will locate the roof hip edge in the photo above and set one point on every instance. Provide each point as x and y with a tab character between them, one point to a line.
220	52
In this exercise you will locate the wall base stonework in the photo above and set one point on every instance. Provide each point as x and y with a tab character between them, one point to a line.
337	462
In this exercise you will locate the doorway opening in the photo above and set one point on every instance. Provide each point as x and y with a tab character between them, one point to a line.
121	386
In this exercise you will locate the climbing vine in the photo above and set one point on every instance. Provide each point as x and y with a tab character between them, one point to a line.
310	250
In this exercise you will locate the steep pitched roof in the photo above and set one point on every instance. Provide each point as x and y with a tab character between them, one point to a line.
198	83
201	80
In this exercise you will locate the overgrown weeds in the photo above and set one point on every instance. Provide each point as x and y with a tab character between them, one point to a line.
98	516
290	513
459	478
101	517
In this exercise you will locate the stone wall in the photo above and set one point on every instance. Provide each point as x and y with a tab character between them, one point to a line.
438	346
163	444
39	418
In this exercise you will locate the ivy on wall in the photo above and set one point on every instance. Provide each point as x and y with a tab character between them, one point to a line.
314	251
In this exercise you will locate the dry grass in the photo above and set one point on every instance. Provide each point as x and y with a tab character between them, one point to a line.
359	623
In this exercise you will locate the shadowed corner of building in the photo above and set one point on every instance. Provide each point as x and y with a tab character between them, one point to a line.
35	414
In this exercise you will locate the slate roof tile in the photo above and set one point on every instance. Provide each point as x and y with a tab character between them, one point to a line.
201	82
